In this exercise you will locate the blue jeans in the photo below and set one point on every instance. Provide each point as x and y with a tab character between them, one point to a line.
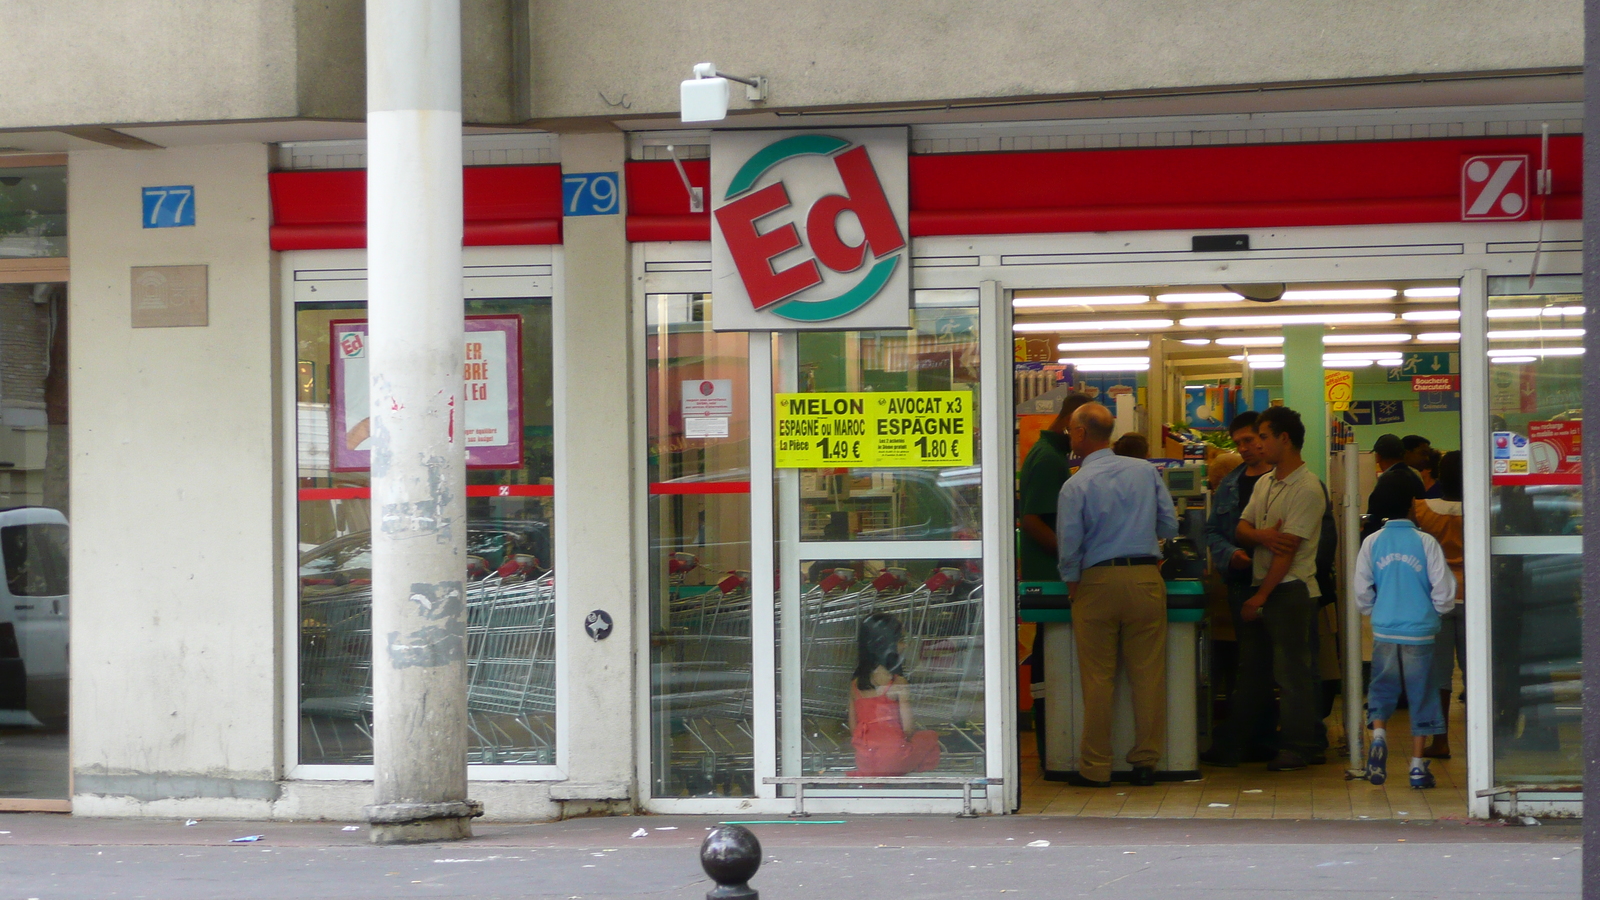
1414	664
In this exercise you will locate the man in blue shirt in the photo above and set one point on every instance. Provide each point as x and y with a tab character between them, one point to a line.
1235	738
1109	518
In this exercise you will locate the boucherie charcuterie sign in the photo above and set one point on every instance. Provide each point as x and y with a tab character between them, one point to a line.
809	230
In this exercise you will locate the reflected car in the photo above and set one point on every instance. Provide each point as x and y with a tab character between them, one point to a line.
34	607
511	549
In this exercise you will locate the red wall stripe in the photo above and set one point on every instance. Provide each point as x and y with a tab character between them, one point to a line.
1159	188
473	490
326	209
701	487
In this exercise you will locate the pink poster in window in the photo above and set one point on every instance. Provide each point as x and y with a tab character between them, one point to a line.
491	393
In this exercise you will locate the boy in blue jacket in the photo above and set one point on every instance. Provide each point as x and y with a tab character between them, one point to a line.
1403	583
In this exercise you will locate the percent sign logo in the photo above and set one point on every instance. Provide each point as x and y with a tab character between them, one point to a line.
755	251
1494	188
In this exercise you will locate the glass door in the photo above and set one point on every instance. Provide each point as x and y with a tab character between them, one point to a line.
880	579
1535	411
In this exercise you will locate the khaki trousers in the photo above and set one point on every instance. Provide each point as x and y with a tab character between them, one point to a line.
1121	610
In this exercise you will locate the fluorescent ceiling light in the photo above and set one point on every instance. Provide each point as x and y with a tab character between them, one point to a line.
1534	312
1106	345
1196	342
1249	341
1108	300
1537	351
1266	363
1143	367
1367	318
1116	325
1513	359
1534	334
1201	297
1343	294
1433	292
1432	315
1439	337
1267	357
1105	361
1375	355
1395	338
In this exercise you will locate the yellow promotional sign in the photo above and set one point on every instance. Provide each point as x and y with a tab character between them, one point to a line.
1339	388
872	429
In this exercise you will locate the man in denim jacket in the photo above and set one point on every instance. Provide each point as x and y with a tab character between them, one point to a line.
1234	738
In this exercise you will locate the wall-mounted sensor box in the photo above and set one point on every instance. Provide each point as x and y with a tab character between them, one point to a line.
1207	243
704	99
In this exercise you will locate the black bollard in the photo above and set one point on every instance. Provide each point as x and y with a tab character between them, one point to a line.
731	855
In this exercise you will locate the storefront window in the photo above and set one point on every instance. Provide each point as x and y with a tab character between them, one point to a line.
511	519
921	605
1536	525
697	409
33	212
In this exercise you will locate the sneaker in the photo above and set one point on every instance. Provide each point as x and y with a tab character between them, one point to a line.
1378	761
1421	778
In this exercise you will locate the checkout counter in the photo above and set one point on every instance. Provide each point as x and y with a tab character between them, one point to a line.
1045	602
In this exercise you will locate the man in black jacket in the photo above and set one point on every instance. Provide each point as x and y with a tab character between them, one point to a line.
1397	485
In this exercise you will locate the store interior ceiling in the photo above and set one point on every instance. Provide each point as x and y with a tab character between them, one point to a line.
1215	331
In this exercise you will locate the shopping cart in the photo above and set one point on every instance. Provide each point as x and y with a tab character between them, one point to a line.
510	673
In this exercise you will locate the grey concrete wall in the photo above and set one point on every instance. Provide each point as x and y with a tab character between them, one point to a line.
618	57
177	562
90	62
111	62
594	480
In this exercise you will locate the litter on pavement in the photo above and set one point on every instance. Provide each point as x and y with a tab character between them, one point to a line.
1038	843
247	839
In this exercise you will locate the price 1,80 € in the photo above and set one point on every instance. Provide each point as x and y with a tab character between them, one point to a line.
935	448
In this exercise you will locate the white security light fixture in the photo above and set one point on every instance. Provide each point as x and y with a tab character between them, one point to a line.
1249	341
1105	345
1396	338
1112	325
1269	321
1432	315
1534	334
1203	297
1344	294
1439	337
1057	302
704	98
1425	292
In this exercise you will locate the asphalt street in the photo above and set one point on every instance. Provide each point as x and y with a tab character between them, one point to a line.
61	858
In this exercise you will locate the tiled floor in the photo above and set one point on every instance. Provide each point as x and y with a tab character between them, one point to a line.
1251	792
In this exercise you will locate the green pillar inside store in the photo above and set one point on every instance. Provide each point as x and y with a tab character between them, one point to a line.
1303	391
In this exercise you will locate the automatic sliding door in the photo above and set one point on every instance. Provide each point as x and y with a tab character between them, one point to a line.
881	582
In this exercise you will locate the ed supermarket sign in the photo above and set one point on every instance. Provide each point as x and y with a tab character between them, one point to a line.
810	230
874	429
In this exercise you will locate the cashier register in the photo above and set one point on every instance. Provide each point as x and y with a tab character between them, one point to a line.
1183	562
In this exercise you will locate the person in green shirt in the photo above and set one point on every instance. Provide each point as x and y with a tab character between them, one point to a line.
1044	471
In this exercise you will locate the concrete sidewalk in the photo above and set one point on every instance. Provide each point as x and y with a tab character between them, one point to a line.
60	857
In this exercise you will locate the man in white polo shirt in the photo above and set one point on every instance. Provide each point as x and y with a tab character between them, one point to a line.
1278	635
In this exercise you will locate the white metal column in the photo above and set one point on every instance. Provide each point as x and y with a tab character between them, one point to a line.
784	378
1475	483
763	618
999	607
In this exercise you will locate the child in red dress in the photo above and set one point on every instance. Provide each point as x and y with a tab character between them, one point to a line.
880	706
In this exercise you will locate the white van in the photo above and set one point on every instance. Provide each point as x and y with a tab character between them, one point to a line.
33	616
